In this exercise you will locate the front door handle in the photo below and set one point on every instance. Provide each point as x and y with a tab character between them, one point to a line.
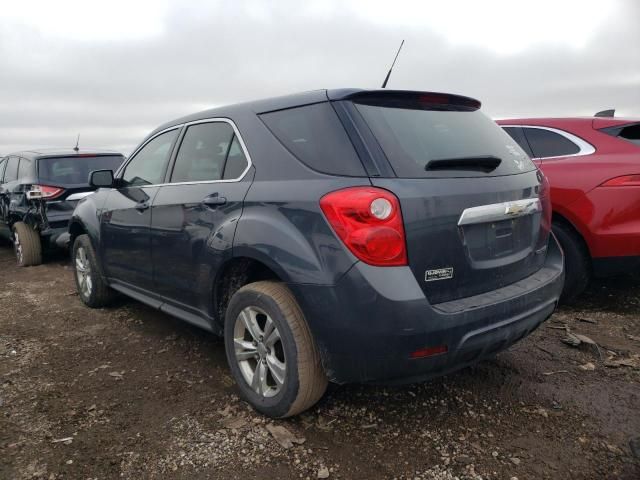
214	200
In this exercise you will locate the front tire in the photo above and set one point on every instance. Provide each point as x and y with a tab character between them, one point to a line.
271	352
92	287
26	245
577	261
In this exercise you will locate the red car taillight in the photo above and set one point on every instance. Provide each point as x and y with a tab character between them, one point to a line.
369	222
44	192
623	181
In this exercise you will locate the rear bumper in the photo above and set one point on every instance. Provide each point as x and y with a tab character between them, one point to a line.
367	325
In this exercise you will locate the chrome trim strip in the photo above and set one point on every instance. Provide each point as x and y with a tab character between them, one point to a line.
496	212
188	124
78	196
585	147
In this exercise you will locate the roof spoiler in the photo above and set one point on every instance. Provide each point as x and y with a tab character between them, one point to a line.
413	100
606	113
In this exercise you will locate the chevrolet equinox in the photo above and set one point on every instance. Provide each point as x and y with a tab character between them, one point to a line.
336	235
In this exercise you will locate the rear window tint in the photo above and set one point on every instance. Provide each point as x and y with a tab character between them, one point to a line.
315	135
631	133
74	170
412	138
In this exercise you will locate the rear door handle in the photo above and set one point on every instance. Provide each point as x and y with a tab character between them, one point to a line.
214	200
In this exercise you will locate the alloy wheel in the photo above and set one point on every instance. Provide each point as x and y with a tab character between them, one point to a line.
83	272
259	351
18	248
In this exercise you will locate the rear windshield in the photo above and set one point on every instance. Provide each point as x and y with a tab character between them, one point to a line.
74	170
414	139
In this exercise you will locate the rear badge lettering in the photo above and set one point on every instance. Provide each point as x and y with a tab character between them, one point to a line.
438	274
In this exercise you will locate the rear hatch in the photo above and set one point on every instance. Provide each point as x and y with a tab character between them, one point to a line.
475	208
66	179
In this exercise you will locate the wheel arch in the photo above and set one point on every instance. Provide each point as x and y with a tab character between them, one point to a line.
237	272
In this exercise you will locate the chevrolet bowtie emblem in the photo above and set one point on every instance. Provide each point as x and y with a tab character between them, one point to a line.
514	209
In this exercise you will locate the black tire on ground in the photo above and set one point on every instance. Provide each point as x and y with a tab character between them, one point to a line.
26	245
92	287
304	380
577	261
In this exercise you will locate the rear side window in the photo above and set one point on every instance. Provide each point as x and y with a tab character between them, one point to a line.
3	163
24	169
203	152
315	135
414	140
149	165
545	143
74	170
11	173
236	161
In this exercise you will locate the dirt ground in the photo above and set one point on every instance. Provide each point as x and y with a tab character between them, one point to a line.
128	392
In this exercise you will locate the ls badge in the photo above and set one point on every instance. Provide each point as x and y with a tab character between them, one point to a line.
438	274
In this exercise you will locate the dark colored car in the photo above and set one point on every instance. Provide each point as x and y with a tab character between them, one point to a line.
38	192
593	165
341	235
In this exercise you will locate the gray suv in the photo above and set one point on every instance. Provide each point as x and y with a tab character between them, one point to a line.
337	235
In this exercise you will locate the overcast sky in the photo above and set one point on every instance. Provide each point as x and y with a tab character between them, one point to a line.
114	70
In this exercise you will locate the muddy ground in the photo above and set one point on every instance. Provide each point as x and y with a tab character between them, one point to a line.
127	392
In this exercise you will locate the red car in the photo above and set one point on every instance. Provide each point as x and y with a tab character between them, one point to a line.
593	165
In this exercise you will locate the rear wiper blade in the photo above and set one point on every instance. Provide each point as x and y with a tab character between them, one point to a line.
485	163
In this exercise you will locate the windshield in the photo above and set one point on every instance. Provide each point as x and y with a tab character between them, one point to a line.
415	140
74	170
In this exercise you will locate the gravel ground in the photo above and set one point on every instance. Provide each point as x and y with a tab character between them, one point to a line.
128	392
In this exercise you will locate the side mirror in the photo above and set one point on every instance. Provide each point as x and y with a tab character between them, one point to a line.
101	178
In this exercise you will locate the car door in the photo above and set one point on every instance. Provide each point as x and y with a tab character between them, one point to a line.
126	218
194	216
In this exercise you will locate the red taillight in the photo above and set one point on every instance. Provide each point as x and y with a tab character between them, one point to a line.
623	181
45	192
429	351
369	222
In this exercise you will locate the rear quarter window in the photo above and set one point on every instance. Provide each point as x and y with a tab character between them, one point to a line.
315	135
545	143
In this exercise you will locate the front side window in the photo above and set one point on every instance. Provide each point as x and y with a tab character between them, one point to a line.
545	143
149	165
203	153
11	173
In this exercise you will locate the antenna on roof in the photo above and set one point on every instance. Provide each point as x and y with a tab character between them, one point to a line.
606	113
76	148
384	84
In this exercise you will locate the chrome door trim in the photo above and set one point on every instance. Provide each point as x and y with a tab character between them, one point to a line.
585	147
188	124
497	212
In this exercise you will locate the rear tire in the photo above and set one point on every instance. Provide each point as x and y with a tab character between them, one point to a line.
26	245
577	261
92	287
279	378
